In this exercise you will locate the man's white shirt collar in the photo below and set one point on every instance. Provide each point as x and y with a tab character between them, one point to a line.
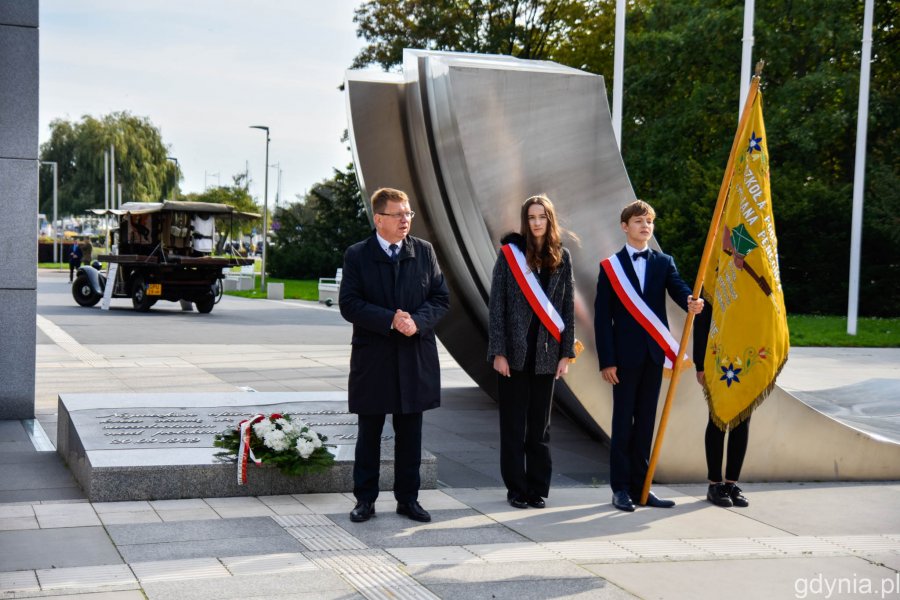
386	245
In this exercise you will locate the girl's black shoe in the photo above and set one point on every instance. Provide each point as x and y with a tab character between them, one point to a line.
535	501
517	501
718	495
736	495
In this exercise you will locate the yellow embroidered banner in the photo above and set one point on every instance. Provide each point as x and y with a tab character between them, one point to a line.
748	338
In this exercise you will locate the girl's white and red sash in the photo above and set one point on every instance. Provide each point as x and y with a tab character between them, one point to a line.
533	291
638	309
244	450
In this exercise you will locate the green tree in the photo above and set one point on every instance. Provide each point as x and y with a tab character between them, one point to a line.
237	196
77	148
312	234
681	89
680	116
534	29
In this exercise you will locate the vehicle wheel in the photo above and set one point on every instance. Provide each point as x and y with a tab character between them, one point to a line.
139	298
83	293
205	304
219	287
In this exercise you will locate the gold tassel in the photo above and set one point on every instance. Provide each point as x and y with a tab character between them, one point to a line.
742	416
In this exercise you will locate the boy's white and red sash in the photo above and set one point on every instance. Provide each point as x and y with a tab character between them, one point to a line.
533	291
638	309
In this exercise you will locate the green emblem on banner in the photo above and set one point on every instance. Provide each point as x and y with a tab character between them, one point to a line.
742	241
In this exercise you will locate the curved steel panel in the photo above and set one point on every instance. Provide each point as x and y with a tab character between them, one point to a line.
506	130
383	154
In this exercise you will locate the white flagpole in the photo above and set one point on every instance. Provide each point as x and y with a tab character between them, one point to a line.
618	71
859	175
747	54
112	175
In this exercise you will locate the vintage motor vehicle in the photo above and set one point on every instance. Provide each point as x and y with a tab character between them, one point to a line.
163	252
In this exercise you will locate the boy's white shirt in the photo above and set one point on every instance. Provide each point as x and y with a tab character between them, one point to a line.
640	265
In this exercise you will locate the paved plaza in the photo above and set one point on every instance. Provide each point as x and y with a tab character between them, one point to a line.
796	540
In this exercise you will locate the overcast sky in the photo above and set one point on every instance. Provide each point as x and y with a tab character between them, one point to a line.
203	71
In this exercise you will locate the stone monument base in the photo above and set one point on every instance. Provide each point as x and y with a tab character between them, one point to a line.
159	446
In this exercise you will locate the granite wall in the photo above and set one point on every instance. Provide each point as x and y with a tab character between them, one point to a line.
18	205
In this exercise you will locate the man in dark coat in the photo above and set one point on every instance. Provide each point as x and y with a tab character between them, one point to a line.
394	293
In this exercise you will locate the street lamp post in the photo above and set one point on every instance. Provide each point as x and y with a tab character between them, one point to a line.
265	231
175	160
55	206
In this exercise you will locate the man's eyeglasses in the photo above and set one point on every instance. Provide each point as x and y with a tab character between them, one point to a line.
400	215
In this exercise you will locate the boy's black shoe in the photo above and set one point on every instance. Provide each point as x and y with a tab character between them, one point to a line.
718	495
622	501
655	501
736	495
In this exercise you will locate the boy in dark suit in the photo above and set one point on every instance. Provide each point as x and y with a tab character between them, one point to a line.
631	330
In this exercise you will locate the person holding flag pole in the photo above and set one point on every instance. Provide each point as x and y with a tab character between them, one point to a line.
634	344
531	339
748	339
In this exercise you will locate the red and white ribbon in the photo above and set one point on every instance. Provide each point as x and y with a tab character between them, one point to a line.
533	291
244	450
638	309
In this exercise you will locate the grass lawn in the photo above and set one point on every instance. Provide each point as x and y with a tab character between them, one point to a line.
294	289
817	330
806	330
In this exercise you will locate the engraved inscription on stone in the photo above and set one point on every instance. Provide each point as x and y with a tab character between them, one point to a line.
196	427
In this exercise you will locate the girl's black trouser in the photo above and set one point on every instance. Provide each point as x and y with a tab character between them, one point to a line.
525	403
737	449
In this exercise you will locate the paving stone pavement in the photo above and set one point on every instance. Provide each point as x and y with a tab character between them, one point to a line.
486	550
796	540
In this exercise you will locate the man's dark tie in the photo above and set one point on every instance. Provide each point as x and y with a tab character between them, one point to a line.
395	252
645	254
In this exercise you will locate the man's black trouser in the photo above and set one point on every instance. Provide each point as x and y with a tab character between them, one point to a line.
407	456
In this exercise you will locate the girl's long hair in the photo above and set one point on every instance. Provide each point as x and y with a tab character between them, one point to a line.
550	255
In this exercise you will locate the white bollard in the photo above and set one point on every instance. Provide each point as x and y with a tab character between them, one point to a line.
275	291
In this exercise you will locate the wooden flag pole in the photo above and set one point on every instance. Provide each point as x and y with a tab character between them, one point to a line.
698	283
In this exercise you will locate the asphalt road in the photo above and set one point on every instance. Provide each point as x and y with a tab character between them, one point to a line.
233	321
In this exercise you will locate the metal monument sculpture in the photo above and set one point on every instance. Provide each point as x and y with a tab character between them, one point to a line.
469	137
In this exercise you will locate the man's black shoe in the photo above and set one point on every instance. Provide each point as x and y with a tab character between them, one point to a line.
736	495
535	501
622	501
718	495
363	511
655	501
414	511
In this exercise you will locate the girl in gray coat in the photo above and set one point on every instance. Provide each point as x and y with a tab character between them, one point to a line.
531	339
